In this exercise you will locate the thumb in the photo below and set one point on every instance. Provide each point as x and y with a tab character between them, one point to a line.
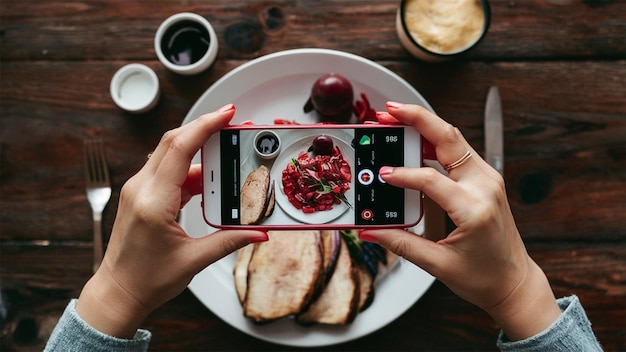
422	252
204	251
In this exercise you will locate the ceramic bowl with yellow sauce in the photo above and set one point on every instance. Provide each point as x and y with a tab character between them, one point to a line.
438	30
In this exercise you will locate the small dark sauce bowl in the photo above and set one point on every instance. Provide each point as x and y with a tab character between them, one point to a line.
186	43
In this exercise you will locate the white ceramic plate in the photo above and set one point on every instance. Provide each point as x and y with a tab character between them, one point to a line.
318	217
277	86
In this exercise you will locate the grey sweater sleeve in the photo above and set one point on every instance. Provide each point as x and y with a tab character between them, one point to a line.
571	332
72	334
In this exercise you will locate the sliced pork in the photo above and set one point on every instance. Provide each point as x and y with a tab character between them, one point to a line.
283	274
338	303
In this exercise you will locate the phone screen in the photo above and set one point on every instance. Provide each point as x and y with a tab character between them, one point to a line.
309	183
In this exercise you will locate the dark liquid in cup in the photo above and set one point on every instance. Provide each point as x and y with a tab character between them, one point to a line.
185	43
267	144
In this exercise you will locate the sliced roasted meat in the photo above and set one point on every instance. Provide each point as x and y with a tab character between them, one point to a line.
338	303
366	287
282	274
240	272
271	201
331	243
254	195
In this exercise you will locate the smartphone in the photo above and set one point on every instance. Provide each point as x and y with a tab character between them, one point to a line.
309	176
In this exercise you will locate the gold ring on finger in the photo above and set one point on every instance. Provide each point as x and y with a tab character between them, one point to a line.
459	162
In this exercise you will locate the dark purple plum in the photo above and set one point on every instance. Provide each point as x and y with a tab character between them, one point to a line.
331	96
322	145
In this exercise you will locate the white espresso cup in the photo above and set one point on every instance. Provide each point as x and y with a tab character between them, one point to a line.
186	43
135	88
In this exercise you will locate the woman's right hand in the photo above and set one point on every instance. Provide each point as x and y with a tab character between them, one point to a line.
483	260
150	258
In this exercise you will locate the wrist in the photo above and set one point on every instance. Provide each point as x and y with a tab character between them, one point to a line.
108	308
529	309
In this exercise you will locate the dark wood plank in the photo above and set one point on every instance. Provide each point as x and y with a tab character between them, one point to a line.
119	29
59	105
36	294
564	140
564	143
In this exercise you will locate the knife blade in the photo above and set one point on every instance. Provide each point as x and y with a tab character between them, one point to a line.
494	150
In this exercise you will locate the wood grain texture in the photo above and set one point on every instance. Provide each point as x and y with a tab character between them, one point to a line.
560	66
439	321
124	30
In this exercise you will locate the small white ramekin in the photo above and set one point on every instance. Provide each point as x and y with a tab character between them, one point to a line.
135	88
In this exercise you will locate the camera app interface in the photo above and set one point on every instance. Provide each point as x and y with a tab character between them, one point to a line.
310	176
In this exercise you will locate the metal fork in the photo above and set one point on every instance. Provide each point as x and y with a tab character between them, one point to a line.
98	188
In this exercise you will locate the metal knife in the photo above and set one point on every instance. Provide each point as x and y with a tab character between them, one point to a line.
494	151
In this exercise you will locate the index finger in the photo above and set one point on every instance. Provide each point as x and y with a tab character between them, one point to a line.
172	157
449	143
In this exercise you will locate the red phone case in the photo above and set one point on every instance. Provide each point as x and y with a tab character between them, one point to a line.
304	225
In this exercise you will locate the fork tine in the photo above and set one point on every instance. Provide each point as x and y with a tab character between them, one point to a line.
102	170
87	154
96	170
90	173
105	167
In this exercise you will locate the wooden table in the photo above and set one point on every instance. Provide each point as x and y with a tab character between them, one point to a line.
560	66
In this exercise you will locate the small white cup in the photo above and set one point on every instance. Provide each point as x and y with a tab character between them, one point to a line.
135	88
172	35
267	144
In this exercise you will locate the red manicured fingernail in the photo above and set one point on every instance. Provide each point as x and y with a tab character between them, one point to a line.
261	237
385	170
226	107
394	105
364	236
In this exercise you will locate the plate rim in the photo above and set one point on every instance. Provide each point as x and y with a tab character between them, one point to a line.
301	51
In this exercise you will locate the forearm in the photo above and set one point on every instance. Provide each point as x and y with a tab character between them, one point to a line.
529	309
571	332
72	334
108	308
